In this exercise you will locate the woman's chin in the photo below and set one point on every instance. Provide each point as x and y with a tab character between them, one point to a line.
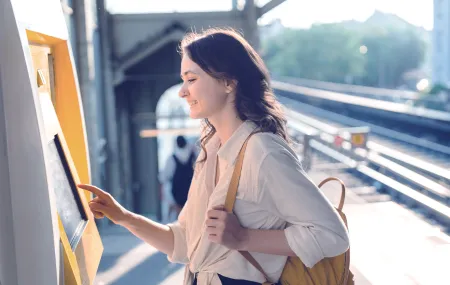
195	115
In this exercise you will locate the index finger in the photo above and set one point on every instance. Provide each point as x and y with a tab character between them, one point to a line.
97	191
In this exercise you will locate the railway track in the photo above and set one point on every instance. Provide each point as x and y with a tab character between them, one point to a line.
411	170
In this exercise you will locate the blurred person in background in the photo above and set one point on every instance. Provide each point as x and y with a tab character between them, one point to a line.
176	178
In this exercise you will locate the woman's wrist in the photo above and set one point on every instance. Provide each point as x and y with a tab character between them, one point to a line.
127	220
244	239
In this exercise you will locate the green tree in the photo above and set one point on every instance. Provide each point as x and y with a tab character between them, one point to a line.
390	53
331	52
324	52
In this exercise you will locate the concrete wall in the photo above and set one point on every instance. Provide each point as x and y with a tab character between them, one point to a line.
129	30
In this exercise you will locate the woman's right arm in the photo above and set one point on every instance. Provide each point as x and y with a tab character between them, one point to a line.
155	234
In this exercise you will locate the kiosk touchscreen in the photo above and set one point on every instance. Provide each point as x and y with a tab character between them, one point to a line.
47	233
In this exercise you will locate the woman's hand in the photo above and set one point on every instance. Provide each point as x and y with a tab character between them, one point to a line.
224	228
105	205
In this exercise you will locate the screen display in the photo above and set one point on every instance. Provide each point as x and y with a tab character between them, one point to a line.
68	201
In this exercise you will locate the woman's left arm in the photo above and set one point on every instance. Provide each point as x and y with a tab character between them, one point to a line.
315	229
225	229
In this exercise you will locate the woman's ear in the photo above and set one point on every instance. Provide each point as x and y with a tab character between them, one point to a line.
230	85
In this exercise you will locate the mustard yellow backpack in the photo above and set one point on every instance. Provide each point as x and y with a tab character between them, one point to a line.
328	271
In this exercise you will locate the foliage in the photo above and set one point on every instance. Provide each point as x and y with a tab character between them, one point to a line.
331	52
391	53
439	87
324	52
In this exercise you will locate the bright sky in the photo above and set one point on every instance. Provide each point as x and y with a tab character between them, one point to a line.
294	13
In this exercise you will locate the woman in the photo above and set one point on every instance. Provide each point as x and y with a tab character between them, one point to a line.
279	212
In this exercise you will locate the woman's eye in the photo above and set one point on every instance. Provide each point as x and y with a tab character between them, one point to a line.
191	80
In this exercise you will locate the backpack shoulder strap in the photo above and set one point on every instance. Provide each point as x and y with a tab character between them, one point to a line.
232	189
347	273
177	161
341	202
231	198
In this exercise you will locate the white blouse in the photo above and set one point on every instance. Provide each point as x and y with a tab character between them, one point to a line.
274	193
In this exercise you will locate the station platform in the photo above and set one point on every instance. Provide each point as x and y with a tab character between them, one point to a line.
390	244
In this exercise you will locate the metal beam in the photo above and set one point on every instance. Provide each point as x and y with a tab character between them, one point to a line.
85	45
151	133
251	23
269	6
174	36
114	179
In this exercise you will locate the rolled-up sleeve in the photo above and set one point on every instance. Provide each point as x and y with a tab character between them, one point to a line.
179	254
314	230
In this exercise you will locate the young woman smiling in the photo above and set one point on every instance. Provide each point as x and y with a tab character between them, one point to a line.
278	212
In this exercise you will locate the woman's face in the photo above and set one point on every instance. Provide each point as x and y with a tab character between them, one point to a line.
205	95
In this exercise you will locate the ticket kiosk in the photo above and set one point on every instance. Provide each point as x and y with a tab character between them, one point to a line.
47	233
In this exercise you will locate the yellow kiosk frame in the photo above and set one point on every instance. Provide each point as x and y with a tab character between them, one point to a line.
64	129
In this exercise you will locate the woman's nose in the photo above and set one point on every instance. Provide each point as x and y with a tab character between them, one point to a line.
182	93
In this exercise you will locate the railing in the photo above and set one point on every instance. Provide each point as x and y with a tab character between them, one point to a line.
298	92
406	160
431	170
393	95
403	183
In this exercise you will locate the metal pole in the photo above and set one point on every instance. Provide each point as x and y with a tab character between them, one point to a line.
235	4
307	156
86	75
251	19
114	181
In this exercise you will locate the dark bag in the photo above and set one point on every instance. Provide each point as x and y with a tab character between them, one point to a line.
182	178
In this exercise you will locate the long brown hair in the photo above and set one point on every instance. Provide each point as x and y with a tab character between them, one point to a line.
225	55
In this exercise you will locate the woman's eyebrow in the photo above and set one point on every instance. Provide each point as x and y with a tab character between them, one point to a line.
187	72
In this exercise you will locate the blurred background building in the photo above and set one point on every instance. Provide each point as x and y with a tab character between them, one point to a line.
126	60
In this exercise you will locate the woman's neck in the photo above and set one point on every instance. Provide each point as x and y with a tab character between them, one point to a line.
226	125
